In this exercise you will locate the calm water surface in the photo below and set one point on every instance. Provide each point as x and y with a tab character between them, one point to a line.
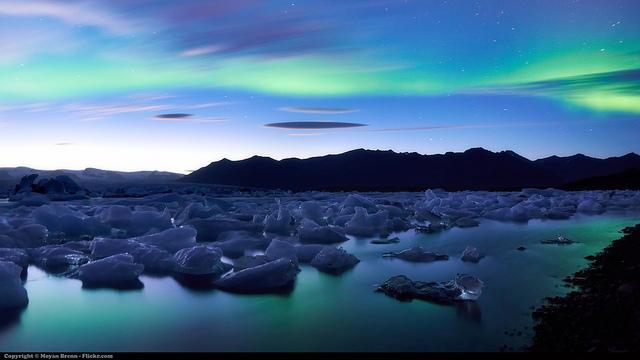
324	312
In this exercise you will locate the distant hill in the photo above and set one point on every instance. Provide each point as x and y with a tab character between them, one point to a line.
91	175
579	166
629	179
375	170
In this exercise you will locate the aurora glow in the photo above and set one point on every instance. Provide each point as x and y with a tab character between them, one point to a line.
538	77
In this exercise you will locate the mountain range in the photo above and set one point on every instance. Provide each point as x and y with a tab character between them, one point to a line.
90	175
377	170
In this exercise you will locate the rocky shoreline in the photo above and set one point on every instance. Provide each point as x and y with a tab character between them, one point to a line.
602	313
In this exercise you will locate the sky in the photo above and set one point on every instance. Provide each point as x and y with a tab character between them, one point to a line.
174	85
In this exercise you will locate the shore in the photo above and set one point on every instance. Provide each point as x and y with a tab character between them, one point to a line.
602	313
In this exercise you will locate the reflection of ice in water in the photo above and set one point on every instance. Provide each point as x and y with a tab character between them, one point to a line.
470	286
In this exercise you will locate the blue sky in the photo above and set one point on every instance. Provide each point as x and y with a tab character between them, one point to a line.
133	85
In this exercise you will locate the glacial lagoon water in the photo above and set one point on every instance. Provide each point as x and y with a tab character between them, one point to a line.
325	312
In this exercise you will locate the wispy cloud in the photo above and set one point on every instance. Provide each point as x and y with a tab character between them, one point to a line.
190	118
317	110
105	110
70	12
306	134
313	125
64	144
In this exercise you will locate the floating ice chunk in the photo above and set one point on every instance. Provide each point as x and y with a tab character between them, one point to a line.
470	286
561	212
558	240
154	259
272	276
466	222
29	236
200	260
13	293
590	206
311	232
387	240
210	229
245	262
394	211
313	211
357	200
7	242
334	260
236	243
306	252
58	218
463	287
425	214
171	240
136	223
471	254
196	210
281	249
117	271
30	199
279	222
16	256
363	224
57	258
416	254
4	226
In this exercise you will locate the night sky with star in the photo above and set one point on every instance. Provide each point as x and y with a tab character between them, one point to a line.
175	85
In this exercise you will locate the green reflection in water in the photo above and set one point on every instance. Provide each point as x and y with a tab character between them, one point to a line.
324	312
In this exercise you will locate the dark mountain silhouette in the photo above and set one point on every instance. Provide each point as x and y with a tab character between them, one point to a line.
474	169
629	179
579	166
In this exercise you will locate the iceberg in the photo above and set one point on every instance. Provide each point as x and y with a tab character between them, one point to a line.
200	260
416	254
306	252
334	260
471	254
117	271
463	287
172	239
363	224
57	258
311	232
16	256
14	295
277	275
279	222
